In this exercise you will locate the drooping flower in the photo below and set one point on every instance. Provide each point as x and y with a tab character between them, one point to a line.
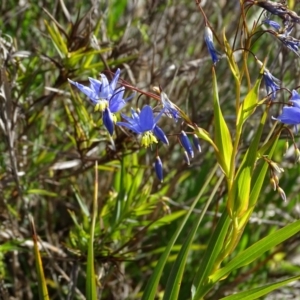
290	42
208	38
272	23
170	109
99	90
271	82
145	123
105	97
290	115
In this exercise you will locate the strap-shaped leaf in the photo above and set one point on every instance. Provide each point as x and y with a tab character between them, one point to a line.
175	277
249	104
151	288
257	250
222	135
261	291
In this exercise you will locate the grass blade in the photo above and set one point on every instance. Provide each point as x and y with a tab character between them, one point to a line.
91	291
261	291
151	288
43	291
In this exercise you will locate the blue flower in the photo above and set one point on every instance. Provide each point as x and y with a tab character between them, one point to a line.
290	115
271	82
106	97
208	38
99	90
170	109
290	42
295	99
145	123
272	23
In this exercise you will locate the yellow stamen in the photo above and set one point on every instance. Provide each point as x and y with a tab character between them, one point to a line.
148	139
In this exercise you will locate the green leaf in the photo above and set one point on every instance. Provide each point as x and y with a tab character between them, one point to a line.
261	291
238	201
222	135
43	291
249	104
255	251
209	261
91	290
175	277
152	285
41	192
233	66
57	39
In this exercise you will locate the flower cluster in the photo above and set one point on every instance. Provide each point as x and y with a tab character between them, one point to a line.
109	100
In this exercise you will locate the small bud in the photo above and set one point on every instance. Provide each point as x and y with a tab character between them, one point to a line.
281	193
297	152
159	169
186	144
186	158
286	146
208	38
159	133
276	179
273	183
276	167
196	142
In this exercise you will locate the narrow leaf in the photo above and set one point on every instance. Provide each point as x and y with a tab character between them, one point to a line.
255	251
43	291
151	288
222	135
261	291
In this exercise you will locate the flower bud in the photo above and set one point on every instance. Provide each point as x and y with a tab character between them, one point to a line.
273	183
186	158
159	169
186	144
281	193
196	142
208	38
108	121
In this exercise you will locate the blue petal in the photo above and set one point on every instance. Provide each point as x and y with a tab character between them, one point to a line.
158	132
146	119
170	109
108	121
128	119
290	115
86	90
272	83
117	102
114	81
208	38
96	85
133	127
135	116
295	99
272	23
